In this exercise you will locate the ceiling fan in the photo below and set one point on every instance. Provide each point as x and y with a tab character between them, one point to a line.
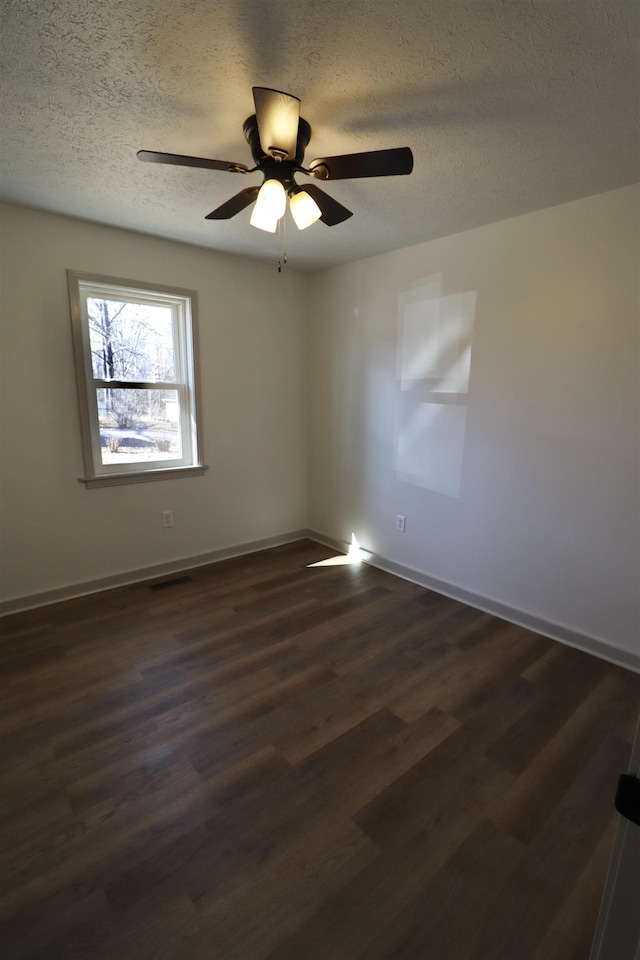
278	137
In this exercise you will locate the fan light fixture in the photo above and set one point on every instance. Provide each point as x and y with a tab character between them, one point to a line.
278	137
269	206
304	209
271	203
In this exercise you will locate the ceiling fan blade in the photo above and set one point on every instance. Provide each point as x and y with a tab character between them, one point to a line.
154	157
332	212
277	116
229	209
373	163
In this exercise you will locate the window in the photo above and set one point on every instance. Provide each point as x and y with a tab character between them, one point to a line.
135	347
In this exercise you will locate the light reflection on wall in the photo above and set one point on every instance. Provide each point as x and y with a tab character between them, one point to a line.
434	362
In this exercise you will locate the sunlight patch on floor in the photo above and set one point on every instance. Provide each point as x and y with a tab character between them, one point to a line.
354	555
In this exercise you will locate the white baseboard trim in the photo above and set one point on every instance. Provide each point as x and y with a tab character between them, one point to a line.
599	648
47	597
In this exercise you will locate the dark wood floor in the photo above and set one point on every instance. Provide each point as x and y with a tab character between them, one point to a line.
276	762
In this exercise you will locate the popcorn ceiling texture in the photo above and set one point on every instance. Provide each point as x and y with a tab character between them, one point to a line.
508	106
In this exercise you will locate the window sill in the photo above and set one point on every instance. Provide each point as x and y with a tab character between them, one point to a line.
117	479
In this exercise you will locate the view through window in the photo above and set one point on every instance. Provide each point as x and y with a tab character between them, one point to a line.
135	362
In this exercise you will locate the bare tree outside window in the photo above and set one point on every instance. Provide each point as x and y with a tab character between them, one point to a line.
132	341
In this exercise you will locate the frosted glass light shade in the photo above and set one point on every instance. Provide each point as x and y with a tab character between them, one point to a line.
269	206
263	220
304	209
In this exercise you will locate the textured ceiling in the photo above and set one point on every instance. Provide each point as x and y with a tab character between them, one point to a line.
508	107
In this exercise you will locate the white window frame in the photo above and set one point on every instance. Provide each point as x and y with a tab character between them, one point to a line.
182	304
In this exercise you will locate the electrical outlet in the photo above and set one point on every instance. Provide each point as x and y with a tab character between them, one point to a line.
167	518
400	523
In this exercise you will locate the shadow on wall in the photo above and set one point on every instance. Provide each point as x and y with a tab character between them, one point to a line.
434	362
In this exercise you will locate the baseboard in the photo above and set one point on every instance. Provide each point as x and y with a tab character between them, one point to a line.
599	648
144	573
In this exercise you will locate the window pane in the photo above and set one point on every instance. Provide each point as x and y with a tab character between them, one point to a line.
130	341
139	425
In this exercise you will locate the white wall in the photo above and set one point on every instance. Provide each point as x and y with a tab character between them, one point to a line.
253	348
520	483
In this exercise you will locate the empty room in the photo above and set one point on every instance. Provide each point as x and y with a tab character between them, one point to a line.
320	460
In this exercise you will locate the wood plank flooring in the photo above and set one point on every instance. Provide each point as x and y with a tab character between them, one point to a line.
273	761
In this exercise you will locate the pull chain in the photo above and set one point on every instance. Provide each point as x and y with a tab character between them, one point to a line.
282	243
